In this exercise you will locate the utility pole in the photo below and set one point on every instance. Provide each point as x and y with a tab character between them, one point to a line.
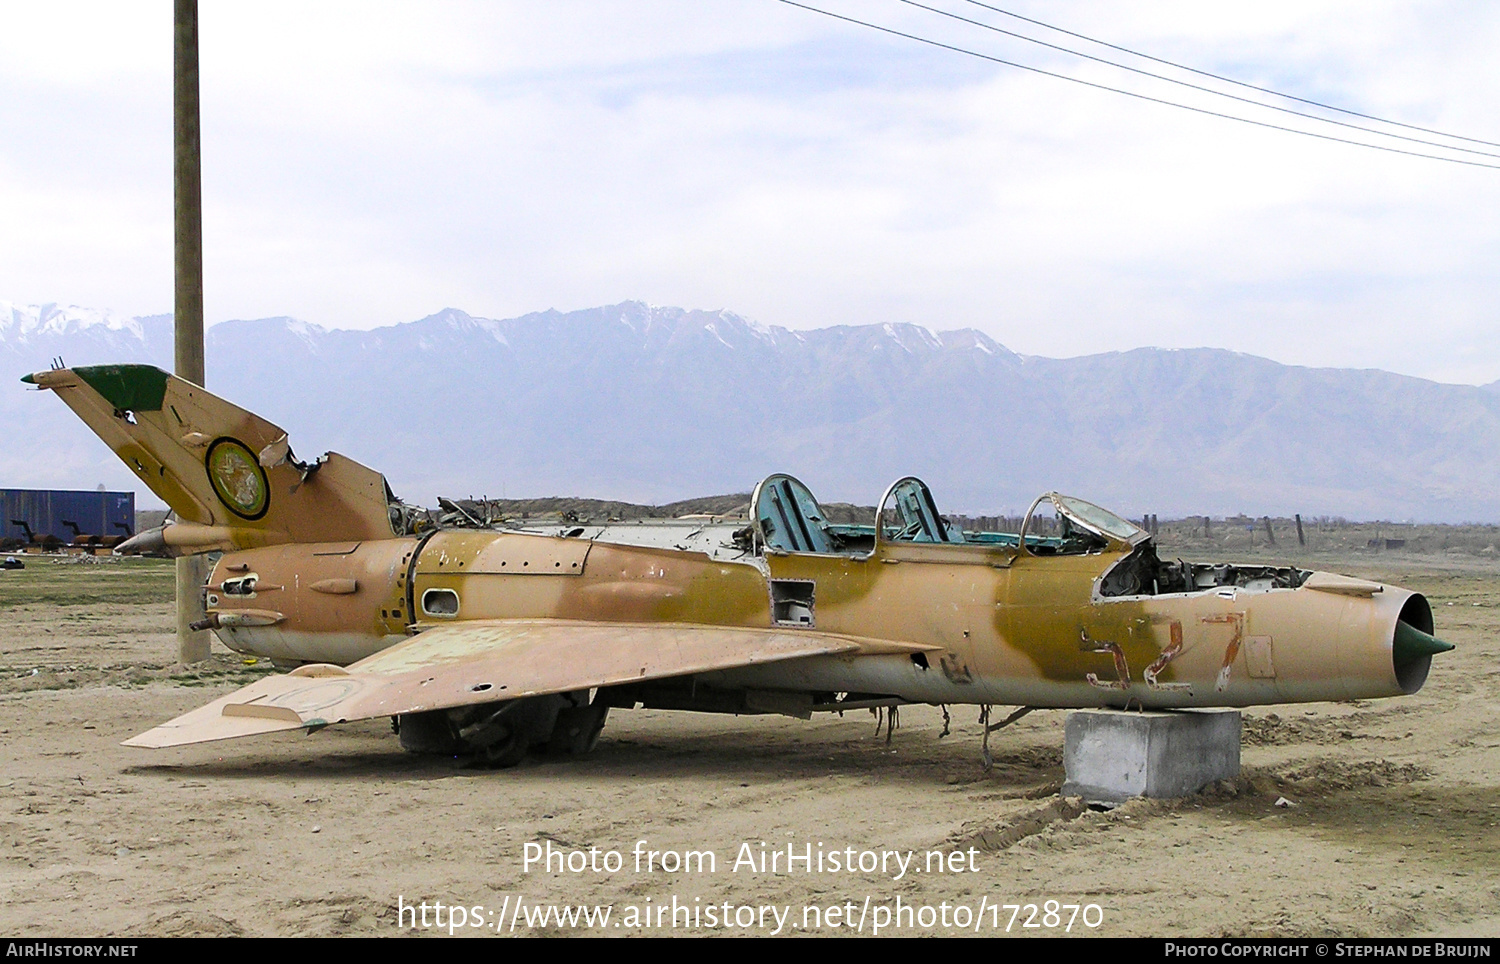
187	308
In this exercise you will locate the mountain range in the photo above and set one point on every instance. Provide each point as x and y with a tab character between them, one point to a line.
654	404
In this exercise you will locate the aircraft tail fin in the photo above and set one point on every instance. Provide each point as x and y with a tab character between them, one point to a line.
227	473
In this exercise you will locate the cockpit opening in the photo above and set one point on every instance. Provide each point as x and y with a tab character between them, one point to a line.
1142	573
788	519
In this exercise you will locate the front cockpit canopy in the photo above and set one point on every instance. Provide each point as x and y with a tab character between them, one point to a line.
1061	525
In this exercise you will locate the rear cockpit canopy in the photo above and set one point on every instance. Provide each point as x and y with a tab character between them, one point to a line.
788	519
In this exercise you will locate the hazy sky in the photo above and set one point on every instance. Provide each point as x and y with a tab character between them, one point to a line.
367	164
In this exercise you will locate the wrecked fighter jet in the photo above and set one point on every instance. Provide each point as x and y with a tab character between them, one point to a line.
491	642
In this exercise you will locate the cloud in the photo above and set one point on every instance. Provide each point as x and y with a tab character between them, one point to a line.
368	163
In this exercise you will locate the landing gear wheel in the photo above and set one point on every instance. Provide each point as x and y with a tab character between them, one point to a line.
499	734
430	732
577	730
504	753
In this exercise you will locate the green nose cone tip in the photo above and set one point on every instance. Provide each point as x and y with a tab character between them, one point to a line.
1412	644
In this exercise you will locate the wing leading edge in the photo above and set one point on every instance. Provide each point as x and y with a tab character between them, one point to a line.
482	661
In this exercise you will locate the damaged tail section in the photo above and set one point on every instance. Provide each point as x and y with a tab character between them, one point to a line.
229	475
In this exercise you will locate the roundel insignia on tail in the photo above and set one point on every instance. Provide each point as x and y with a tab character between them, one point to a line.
237	478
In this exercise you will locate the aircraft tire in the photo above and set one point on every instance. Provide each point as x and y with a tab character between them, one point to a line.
430	732
577	730
505	753
499	735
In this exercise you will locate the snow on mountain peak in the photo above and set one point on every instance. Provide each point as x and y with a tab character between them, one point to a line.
20	324
307	332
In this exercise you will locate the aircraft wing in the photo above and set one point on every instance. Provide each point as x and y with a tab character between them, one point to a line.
481	661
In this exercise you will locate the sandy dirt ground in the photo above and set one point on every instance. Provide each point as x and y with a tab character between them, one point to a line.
1395	829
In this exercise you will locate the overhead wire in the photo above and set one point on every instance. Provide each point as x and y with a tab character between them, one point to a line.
1130	93
1200	87
1231	80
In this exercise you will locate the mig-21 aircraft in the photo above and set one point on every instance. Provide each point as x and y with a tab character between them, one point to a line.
491	642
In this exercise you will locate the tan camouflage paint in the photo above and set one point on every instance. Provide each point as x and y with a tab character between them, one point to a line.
993	619
1001	623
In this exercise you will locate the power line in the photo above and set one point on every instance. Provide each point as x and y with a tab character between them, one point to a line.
1129	93
1231	80
1200	87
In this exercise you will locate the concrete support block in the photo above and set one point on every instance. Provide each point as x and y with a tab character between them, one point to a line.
1113	755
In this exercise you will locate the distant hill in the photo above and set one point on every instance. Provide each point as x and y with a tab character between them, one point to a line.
649	405
602	510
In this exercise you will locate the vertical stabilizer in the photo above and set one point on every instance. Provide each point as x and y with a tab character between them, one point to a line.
229	475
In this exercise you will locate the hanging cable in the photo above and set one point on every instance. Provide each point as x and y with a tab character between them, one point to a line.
1200	87
1138	96
1231	80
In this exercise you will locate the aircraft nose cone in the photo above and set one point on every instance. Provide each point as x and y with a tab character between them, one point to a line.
1412	644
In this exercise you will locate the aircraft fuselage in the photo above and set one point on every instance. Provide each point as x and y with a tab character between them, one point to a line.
1004	626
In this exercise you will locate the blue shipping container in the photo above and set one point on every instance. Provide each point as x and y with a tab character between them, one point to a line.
47	511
